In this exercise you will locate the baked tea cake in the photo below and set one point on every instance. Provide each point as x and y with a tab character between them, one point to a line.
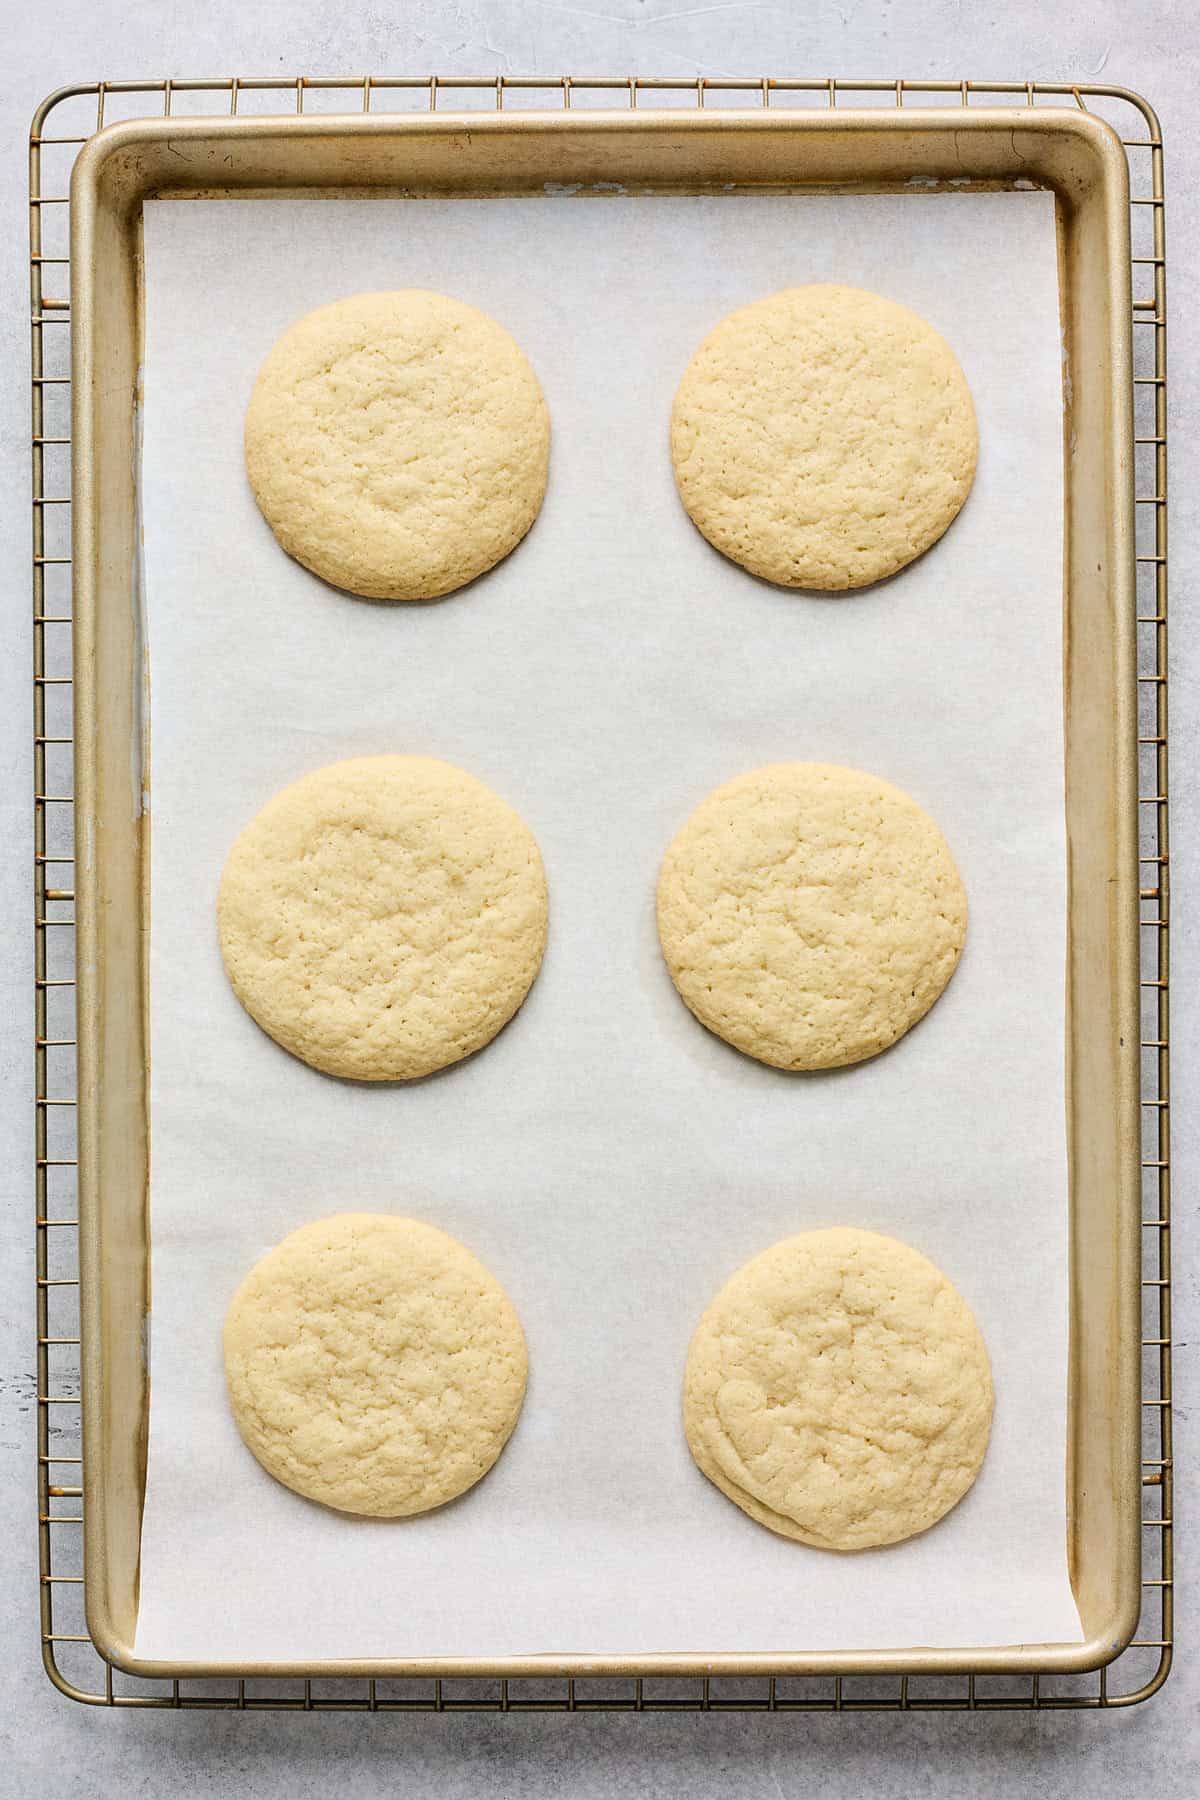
374	1364
823	437
838	1390
398	443
383	917
810	914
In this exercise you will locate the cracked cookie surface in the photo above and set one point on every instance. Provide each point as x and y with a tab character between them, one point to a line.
810	914
823	437
838	1390
374	1364
398	443
383	917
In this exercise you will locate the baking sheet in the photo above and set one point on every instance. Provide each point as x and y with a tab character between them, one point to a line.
609	1159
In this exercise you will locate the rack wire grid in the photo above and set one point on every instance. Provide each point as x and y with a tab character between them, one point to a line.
62	124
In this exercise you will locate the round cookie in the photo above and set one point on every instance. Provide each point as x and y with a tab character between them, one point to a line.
823	437
809	914
383	917
398	444
838	1390
374	1364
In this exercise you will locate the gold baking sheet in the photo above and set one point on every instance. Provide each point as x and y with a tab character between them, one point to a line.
1085	169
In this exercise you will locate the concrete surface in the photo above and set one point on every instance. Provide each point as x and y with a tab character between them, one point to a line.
49	1747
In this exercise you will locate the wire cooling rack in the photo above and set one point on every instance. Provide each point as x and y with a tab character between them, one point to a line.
62	124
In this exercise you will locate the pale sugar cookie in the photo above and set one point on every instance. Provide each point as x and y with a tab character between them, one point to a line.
383	917
398	443
838	1390
374	1364
810	914
823	437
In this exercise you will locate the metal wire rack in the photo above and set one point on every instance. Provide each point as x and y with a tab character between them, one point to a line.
61	125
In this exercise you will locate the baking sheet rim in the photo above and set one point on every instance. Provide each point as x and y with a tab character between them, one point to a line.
87	184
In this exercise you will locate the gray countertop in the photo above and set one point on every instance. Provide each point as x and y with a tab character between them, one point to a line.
50	1747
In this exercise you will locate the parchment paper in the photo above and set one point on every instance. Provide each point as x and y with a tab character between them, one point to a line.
609	1159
